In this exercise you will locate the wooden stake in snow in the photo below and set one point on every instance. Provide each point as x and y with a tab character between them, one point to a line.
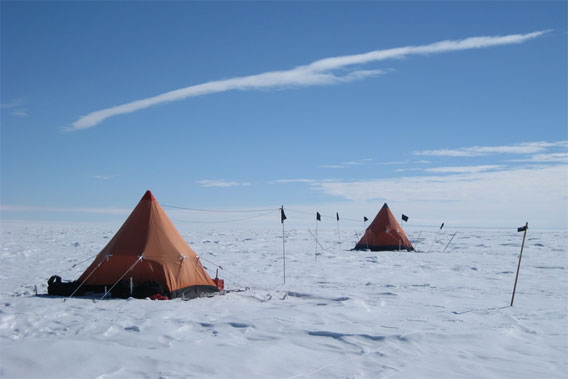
521	229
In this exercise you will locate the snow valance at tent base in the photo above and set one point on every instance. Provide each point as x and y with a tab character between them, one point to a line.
149	249
56	287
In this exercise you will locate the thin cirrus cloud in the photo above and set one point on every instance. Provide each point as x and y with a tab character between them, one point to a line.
288	181
462	169
475	151
545	158
16	107
20	113
333	70
359	162
105	177
220	183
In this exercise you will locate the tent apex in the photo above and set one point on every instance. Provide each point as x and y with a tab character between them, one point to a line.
148	196
385	205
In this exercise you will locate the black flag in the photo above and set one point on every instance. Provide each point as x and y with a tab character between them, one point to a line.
318	216
522	228
365	219
337	215
404	218
441	226
282	215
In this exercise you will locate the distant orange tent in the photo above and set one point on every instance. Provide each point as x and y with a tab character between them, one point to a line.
384	234
148	249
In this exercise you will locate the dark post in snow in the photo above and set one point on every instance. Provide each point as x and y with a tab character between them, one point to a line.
365	231
405	219
521	229
338	234
435	237
282	218
318	218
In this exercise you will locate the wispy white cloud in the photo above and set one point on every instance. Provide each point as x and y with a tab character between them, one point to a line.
462	169
15	103
221	183
408	169
359	162
287	181
542	158
16	107
104	177
304	180
326	71
20	113
473	151
393	163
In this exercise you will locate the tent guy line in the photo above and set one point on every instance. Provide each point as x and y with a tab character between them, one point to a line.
220	210
321	72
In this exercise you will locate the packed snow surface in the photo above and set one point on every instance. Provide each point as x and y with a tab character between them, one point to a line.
341	314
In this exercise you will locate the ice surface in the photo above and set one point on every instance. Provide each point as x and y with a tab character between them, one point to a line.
348	314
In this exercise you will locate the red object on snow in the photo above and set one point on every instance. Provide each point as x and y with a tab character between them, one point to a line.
220	283
159	296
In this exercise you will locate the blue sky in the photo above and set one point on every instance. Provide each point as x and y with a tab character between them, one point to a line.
444	110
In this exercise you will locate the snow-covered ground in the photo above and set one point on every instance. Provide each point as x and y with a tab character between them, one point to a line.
348	314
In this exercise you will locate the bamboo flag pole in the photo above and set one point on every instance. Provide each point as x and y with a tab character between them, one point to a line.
282	218
365	231
435	237
338	234
521	229
318	218
405	219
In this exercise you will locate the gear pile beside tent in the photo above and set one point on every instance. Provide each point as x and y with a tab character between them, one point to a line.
384	234
149	249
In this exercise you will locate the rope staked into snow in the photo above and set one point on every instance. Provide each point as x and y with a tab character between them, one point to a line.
235	275
119	279
87	278
77	264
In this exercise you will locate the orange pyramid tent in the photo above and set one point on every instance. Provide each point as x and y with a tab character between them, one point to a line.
148	248
384	233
